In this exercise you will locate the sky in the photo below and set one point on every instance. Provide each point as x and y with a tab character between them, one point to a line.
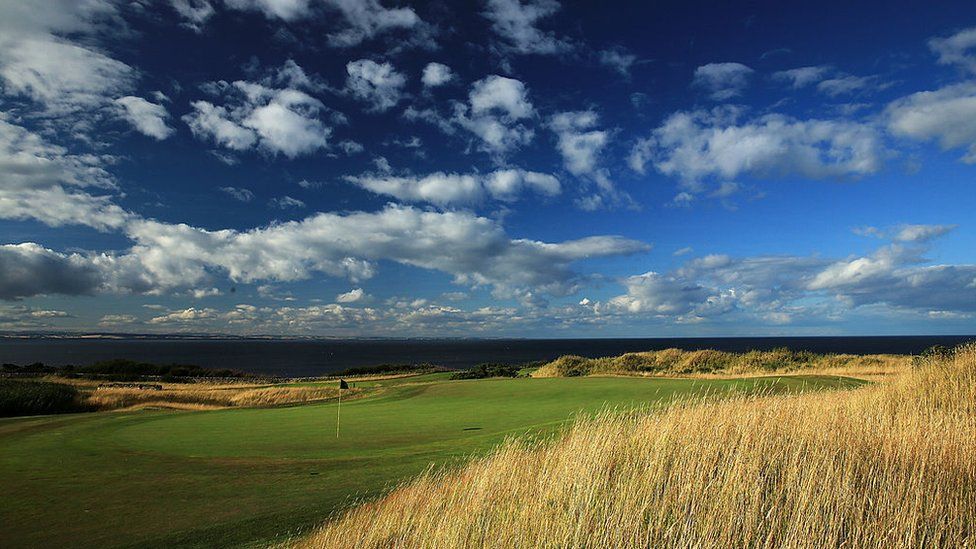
487	168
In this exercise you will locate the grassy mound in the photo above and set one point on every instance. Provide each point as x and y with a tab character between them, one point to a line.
28	398
678	362
889	465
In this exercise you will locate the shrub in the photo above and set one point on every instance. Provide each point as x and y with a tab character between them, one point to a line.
487	369
25	398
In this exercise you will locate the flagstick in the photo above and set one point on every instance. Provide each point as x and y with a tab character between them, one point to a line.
338	409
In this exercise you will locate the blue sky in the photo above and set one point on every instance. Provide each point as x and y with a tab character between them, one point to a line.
489	168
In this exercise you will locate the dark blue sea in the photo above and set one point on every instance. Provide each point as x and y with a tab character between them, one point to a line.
300	358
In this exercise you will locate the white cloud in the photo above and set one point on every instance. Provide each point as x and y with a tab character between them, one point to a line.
844	85
351	147
45	182
65	76
286	202
210	121
284	121
473	250
957	49
448	189
581	145
722	81
618	59
148	118
436	74
195	13
515	22
351	296
368	18
946	115
779	289
273	9
496	107
117	320
376	83
802	77
238	193
700	144
907	233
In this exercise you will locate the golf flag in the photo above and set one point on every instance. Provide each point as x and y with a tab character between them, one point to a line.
342	385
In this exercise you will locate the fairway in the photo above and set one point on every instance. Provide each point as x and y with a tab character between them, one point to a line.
249	476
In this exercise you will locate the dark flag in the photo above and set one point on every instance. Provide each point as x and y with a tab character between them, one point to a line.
343	384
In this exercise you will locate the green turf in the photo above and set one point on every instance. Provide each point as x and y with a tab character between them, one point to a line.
247	476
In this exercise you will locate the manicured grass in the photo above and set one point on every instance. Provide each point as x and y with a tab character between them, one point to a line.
234	477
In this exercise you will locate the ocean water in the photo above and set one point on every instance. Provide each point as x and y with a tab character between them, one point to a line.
300	358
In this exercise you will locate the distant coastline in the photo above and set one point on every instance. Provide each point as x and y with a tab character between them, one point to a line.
294	357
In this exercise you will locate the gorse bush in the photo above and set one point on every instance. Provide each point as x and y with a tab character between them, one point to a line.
26	398
487	370
888	465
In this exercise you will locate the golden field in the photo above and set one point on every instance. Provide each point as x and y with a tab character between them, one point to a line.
889	465
676	362
198	396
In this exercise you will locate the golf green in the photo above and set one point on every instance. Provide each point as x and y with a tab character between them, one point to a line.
251	476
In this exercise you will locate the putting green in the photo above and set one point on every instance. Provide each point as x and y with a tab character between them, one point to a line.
249	476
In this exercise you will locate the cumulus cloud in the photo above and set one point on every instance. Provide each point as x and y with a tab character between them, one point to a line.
29	269
496	106
946	115
45	182
368	18
957	49
148	118
700	144
802	77
449	189
351	296
378	84
474	250
722	81
64	76
779	289
436	74
514	21
581	144
284	121
23	317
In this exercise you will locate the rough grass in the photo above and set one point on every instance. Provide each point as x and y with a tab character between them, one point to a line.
200	396
889	465
676	362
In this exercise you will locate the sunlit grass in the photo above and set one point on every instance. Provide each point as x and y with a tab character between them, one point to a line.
889	465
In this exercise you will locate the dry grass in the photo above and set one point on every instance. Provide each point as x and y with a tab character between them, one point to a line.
889	465
200	396
676	362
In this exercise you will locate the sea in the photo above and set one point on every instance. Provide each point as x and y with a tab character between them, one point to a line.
309	358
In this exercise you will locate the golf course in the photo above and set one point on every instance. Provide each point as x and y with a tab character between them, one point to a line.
257	476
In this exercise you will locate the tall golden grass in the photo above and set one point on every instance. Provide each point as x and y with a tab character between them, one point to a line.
204	396
888	465
676	362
